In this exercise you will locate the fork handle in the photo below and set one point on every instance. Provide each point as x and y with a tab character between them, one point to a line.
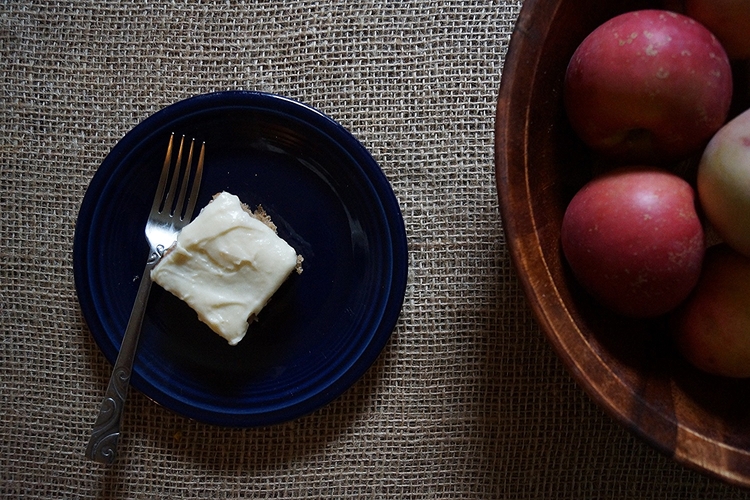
102	446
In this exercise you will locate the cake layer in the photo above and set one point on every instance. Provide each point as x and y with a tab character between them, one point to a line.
226	265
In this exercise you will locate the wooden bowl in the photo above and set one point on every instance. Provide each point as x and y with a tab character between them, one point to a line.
629	367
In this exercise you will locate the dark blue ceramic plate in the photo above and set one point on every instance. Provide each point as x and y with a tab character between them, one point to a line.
323	328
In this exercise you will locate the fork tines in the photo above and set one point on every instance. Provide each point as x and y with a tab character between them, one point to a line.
175	174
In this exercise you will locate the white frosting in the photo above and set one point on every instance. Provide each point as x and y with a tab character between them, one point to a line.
226	265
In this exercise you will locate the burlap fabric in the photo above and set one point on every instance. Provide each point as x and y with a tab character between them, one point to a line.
466	401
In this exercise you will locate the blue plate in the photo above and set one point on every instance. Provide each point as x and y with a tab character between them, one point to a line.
331	202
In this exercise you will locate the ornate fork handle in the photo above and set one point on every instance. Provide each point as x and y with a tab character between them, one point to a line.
102	446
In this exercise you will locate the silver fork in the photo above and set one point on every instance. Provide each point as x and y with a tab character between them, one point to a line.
165	220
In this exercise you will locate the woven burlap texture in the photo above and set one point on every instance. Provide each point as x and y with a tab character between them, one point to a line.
466	401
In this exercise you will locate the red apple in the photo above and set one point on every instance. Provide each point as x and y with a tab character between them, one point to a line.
648	86
729	20
633	239
712	328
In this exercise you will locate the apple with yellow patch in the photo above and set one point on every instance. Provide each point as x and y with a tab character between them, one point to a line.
724	182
